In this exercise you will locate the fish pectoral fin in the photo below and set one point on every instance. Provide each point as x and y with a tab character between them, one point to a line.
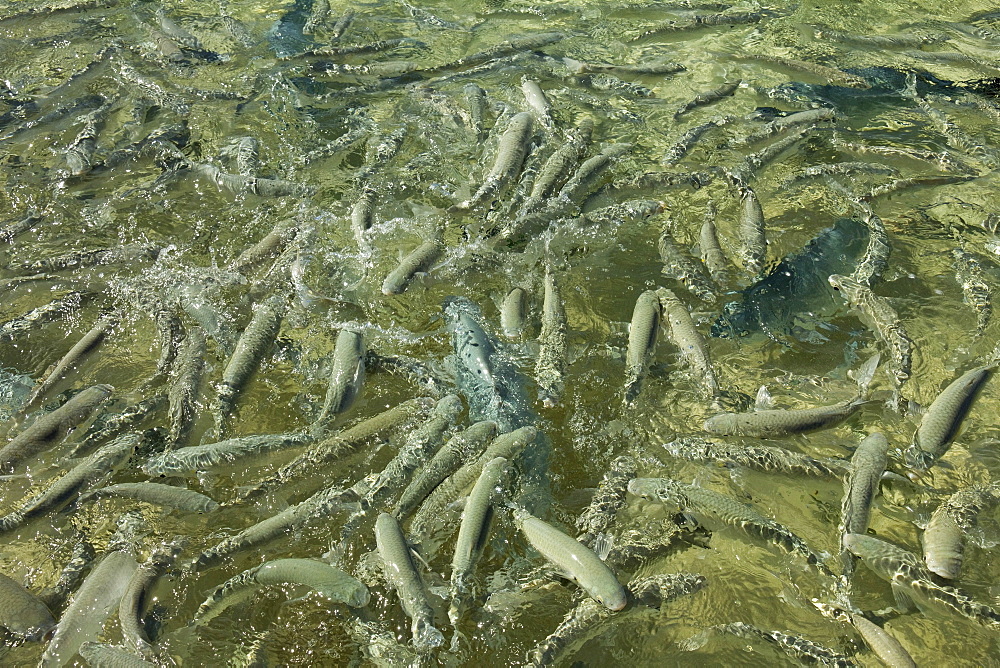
602	545
904	600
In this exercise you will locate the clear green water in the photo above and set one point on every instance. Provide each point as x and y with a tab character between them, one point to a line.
285	105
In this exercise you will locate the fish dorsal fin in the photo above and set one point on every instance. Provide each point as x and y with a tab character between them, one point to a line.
764	401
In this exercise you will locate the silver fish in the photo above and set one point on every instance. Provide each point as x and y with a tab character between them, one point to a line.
708	97
551	364
21	612
183	393
574	558
729	511
862	484
472	534
609	498
130	610
511	150
642	333
944	537
877	313
758	457
944	416
687	338
97	597
418	260
753	240
50	428
403	577
346	378
770	423
912	584
155	493
446	461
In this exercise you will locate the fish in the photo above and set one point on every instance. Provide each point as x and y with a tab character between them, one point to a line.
550	367
768	459
579	623
715	260
340	443
87	343
155	493
513	314
433	511
376	490
642	332
686	141
885	646
110	425
447	460
944	537
100	465
609	498
222	454
975	288
794	646
102	654
418	260
346	378
133	603
97	597
574	558
878	314
708	97
753	240
485	375
558	166
832	75
50	428
329	581
782	422
402	575
472	535
797	285
23	613
944	416
56	308
182	396
692	498
511	150
680	267
860	488
253	344
539	104
913	584
687	338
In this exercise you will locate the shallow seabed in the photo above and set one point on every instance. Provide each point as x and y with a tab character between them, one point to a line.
159	122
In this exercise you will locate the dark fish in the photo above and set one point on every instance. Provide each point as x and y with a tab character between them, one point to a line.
797	285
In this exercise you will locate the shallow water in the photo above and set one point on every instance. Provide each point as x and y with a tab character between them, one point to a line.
229	89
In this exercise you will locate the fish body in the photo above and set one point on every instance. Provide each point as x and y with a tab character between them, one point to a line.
23	613
609	498
472	534
944	416
878	314
419	260
575	559
862	484
183	393
777	422
513	313
797	647
346	378
753	240
48	429
511	150
944	537
93	602
913	583
681	267
550	368
729	511
764	458
403	576
797	285
157	494
642	331
689	340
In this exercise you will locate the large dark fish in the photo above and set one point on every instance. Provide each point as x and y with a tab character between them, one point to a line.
797	285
